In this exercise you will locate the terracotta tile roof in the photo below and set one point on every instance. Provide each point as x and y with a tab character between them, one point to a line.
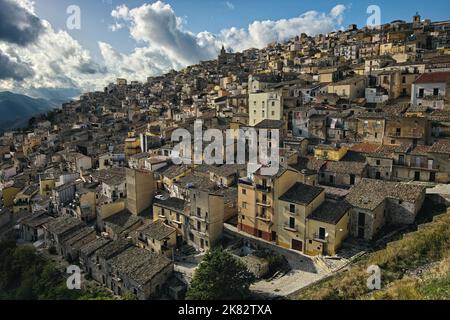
365	148
433	77
421	150
440	147
388	150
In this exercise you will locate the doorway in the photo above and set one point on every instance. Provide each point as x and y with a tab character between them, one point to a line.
361	225
297	245
352	179
417	176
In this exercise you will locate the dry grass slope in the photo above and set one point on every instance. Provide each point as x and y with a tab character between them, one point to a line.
414	268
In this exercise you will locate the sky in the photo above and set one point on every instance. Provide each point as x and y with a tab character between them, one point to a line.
136	39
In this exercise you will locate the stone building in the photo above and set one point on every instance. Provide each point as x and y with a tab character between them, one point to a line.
138	272
377	203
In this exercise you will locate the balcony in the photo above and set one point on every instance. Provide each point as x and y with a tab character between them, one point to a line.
177	222
409	135
262	203
421	166
198	218
430	97
262	188
200	234
265	219
245	181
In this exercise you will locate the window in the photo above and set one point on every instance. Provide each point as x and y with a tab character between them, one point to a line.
244	191
421	92
292	223
264	183
199	212
244	205
322	233
273	103
435	91
292	208
378	162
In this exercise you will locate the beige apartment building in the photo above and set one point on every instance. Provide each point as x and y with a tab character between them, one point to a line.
140	190
206	218
350	89
265	106
257	202
309	223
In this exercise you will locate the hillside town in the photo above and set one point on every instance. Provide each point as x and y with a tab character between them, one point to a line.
364	124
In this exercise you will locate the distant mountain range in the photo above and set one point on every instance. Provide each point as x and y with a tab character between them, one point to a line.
17	109
54	95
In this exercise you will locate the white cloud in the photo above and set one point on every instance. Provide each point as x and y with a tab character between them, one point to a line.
116	26
51	59
157	26
54	59
138	65
230	5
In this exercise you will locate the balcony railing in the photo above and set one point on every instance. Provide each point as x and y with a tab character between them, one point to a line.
198	218
245	181
413	135
262	203
263	188
264	218
430	97
424	166
199	233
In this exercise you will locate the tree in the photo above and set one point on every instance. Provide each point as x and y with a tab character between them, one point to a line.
25	275
220	276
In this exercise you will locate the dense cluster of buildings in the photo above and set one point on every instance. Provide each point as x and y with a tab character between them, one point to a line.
364	122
